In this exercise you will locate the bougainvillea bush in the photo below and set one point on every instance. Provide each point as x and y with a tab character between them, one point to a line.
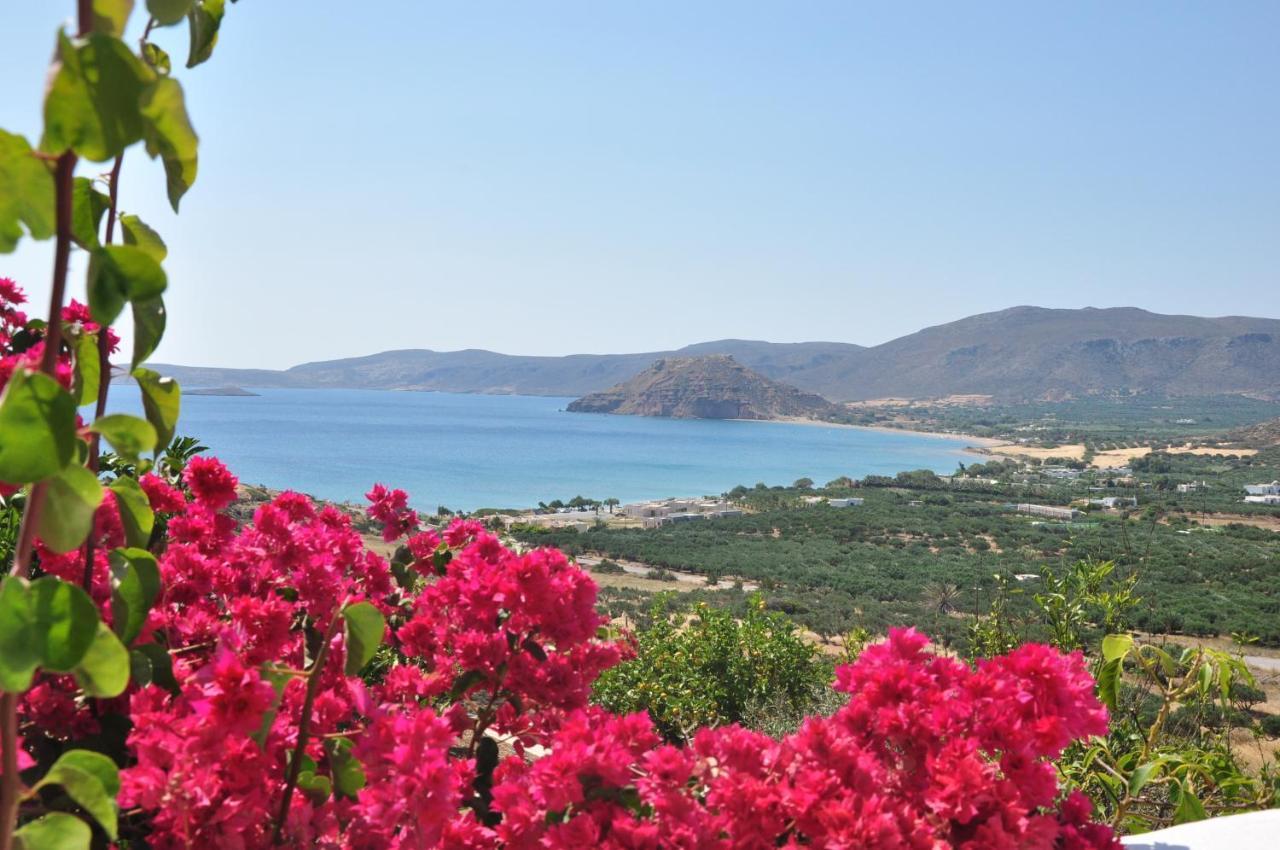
485	643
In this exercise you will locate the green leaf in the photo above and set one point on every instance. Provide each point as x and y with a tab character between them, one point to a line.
170	136
1109	683
110	16
363	625
38	421
88	367
157	59
317	788
54	831
168	12
64	622
1189	806
104	670
139	233
92	781
120	273
70	501
346	769
92	105
1116	646
135	586
19	651
1167	664
87	208
99	765
128	435
162	400
135	511
158	669
278	679
148	328
26	193
205	18
1142	775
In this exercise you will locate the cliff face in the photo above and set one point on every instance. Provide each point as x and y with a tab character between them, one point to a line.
712	387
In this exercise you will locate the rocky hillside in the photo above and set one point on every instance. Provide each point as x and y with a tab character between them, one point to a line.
710	387
1037	353
1264	435
1023	353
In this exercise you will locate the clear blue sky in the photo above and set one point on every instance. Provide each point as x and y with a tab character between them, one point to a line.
558	177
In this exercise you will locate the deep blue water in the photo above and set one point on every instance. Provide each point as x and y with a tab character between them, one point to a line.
470	451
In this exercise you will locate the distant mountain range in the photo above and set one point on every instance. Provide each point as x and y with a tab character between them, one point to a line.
712	386
1015	354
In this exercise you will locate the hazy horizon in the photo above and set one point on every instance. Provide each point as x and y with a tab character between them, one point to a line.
650	350
587	178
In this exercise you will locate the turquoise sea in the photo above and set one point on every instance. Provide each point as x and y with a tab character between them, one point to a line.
471	451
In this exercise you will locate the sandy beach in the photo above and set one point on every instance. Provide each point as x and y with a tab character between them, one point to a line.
978	442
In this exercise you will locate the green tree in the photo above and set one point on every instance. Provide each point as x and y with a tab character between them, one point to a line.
707	667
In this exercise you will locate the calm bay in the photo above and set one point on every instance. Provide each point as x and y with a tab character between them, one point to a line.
471	451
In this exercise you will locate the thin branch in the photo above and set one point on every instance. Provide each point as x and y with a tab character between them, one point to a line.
10	784
304	723
64	176
104	373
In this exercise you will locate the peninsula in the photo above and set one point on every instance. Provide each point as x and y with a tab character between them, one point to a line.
710	387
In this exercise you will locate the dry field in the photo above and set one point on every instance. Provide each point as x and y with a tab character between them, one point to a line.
1270	522
1209	450
1111	458
1071	451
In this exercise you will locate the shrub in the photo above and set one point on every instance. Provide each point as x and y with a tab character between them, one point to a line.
608	567
706	668
1270	725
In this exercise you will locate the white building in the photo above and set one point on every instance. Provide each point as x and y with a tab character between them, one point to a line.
1113	502
1272	489
645	510
1050	511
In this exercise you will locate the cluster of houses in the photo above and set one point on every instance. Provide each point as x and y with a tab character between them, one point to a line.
667	511
1263	494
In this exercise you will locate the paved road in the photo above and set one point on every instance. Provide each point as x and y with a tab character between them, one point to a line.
642	570
1263	663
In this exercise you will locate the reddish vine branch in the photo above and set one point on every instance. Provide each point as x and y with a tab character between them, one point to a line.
304	723
64	177
104	371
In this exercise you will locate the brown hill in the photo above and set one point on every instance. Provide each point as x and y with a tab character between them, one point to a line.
1264	435
712	387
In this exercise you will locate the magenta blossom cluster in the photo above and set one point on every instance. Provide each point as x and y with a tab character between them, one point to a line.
473	728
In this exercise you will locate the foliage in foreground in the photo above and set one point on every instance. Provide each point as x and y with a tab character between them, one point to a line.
1169	756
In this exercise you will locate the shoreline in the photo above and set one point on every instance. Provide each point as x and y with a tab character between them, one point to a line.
979	443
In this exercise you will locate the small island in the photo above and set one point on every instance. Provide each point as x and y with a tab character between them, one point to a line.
225	391
711	387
